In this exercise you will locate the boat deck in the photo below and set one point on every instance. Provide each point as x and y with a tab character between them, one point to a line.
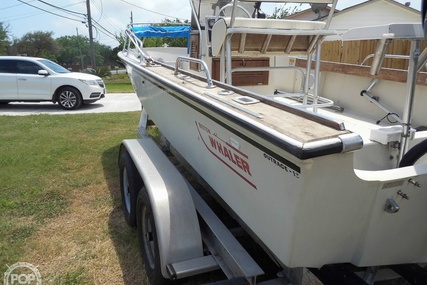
310	133
300	125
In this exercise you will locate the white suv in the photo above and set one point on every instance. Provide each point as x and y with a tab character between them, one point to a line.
34	79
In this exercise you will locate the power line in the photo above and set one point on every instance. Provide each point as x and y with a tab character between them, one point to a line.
100	30
99	9
8	7
104	16
60	8
15	17
151	11
98	25
26	3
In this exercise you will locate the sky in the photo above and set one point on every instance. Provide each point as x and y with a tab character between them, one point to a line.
66	17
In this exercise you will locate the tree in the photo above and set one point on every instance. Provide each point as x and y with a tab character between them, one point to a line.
113	58
172	42
283	12
154	42
69	51
102	54
72	50
39	44
121	38
4	39
176	42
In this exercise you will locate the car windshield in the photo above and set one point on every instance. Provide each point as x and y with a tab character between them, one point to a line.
53	66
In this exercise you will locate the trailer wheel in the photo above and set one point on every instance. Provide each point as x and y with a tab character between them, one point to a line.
148	242
130	184
414	154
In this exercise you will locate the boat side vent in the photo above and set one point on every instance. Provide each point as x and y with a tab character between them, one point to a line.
245	100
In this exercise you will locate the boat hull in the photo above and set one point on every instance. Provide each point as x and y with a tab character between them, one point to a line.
307	212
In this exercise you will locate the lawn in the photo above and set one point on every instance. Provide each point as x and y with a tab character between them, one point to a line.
60	206
118	83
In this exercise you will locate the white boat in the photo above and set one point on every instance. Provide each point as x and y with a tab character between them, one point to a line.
315	172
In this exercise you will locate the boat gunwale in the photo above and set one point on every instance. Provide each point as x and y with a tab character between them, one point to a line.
300	150
315	117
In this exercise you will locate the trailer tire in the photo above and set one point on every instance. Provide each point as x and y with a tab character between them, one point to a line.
415	153
148	239
130	184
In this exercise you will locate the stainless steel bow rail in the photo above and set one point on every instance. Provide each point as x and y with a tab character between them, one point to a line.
199	61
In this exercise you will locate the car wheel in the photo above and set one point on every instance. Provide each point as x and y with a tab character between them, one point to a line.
69	98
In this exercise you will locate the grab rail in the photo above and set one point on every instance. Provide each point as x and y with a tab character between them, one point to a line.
394	56
205	67
422	62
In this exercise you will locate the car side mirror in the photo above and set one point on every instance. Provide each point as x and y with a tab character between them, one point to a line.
43	72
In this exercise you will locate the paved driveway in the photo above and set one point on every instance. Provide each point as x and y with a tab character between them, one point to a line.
113	102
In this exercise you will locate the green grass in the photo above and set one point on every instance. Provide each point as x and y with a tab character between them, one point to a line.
72	278
118	83
119	87
44	160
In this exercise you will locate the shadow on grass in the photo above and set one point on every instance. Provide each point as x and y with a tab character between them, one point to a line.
123	237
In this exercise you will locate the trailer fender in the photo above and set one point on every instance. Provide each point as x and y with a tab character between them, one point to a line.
174	212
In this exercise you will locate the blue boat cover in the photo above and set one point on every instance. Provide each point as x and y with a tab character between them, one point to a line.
161	31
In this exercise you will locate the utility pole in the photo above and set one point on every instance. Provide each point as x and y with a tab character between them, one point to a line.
80	50
89	23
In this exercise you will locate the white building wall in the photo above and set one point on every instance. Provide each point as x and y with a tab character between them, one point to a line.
374	12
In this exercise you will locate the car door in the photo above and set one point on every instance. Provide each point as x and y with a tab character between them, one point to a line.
8	83
31	85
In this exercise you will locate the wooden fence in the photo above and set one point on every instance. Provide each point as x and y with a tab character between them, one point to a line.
354	52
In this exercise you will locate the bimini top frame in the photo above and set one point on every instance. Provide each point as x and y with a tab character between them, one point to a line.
269	36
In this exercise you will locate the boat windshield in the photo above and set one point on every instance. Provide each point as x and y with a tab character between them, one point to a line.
210	8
